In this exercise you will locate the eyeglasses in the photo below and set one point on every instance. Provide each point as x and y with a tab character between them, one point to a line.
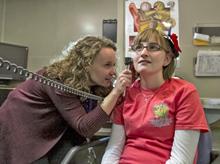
151	46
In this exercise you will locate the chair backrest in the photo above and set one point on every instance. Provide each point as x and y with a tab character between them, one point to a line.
204	148
90	153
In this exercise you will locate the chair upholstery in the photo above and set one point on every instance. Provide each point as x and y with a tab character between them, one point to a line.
206	154
204	148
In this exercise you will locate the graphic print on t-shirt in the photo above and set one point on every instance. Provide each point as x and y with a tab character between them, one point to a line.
161	117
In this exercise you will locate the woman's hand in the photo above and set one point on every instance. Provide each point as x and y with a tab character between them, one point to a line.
123	80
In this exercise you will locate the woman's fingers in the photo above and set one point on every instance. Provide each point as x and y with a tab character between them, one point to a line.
123	80
126	77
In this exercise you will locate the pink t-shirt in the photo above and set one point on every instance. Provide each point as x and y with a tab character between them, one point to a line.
150	118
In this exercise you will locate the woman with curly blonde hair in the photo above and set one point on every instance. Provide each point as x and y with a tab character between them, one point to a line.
77	57
40	123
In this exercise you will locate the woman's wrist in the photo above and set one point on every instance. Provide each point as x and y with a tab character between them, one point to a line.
116	92
110	101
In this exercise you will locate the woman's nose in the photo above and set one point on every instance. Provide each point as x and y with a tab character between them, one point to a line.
144	51
113	71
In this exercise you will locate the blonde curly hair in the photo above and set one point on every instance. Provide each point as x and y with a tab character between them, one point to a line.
71	69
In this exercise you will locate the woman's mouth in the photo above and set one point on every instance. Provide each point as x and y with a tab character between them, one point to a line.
144	62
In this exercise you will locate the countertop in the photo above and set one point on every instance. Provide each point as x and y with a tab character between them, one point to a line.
210	103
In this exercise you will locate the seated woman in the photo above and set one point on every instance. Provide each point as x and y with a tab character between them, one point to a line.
161	118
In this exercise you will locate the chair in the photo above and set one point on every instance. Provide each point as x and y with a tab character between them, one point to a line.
206	154
90	153
204	148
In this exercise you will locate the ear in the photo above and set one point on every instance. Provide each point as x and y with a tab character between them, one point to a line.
167	60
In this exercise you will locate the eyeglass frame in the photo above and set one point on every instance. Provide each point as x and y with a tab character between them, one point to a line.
146	45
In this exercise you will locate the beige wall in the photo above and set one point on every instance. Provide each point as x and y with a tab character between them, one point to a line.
192	12
1	18
45	26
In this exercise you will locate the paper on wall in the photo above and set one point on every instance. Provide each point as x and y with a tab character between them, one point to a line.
207	63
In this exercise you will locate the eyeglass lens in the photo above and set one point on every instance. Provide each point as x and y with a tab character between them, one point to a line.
149	46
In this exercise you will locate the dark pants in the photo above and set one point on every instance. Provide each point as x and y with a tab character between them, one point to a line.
58	152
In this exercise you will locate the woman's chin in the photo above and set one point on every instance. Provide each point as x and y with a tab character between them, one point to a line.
107	84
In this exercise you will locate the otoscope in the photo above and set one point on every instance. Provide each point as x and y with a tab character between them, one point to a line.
128	62
129	65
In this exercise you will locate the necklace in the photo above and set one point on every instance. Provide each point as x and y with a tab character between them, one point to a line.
147	95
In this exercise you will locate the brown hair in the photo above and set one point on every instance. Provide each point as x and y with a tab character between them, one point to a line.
160	38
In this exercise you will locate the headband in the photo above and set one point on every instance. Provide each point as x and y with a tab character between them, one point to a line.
174	45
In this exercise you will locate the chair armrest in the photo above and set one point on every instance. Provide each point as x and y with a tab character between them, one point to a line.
81	153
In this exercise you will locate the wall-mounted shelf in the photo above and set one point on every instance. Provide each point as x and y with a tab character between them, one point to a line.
206	34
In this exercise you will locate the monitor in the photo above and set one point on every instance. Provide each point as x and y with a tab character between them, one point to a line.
16	54
109	29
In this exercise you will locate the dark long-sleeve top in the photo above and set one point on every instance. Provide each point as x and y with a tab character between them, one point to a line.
35	116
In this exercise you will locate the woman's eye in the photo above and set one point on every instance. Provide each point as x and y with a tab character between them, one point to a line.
108	65
139	48
154	47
